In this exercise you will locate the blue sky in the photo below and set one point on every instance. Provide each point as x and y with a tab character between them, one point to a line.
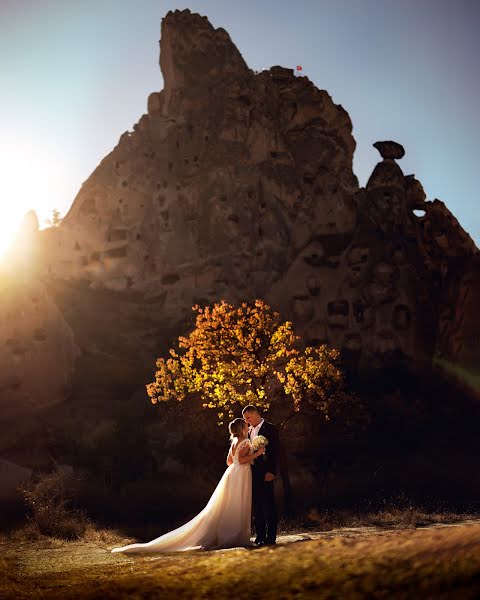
75	75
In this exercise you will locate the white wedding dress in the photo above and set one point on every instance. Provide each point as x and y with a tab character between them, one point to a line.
223	523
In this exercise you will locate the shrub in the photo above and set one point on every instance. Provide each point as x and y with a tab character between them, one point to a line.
50	506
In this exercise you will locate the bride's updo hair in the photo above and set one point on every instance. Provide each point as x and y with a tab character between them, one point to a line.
235	427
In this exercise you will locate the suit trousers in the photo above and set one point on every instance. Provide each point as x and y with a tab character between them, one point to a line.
264	509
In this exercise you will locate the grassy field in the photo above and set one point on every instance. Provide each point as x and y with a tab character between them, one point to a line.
436	561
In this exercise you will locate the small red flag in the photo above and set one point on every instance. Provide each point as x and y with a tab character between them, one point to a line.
299	67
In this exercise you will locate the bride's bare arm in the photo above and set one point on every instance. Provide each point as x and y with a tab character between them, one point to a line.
229	457
245	456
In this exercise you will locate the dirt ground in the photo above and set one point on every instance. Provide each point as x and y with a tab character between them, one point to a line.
437	561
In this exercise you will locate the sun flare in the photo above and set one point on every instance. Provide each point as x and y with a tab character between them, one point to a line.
31	172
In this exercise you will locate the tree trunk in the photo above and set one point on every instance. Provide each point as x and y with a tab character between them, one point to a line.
283	467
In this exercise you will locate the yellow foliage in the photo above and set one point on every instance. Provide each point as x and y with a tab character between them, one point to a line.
247	355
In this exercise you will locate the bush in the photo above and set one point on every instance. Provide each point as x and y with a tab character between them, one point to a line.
49	502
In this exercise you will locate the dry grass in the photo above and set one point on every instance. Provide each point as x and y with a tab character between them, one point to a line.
441	561
391	517
29	532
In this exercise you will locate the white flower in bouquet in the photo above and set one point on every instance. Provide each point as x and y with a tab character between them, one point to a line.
259	441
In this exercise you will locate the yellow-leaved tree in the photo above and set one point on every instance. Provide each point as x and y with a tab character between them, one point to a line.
248	355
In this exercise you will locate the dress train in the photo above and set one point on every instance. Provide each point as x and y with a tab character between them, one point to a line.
224	522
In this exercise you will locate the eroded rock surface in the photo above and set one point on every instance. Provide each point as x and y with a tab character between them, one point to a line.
37	347
239	185
218	187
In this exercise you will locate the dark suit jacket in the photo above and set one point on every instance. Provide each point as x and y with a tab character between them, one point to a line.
269	461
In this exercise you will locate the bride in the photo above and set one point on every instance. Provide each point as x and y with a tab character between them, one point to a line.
225	521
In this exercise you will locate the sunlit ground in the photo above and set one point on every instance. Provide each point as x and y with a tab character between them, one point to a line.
33	176
438	561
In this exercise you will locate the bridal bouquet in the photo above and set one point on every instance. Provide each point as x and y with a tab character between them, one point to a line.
259	441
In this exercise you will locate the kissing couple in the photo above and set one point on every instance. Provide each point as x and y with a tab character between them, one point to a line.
248	482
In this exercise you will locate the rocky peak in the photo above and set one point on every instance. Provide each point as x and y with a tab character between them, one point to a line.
230	181
195	58
22	256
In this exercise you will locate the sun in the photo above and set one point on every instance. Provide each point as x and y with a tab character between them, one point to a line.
31	172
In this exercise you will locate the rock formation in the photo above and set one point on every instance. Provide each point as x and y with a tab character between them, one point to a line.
212	194
37	348
239	185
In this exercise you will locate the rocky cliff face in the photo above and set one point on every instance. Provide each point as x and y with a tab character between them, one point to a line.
37	347
220	184
239	185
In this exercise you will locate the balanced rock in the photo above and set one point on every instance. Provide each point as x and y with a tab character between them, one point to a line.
390	150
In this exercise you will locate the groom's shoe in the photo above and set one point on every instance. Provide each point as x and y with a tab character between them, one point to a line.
259	542
270	543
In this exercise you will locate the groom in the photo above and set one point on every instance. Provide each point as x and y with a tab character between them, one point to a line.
264	470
